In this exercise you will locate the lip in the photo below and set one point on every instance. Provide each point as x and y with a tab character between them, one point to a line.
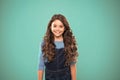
57	32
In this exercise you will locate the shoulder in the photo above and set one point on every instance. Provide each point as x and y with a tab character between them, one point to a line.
41	43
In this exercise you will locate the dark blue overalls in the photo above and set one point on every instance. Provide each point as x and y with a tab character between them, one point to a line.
55	70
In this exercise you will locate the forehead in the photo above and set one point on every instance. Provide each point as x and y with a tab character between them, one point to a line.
57	22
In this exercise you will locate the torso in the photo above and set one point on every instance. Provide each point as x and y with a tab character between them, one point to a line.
57	68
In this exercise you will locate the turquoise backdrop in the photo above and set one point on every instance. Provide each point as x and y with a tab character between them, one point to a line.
95	24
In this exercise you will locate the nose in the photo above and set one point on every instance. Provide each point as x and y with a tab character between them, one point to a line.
57	28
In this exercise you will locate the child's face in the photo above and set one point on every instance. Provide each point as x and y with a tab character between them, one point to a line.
57	28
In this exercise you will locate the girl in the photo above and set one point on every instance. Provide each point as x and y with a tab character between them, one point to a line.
58	51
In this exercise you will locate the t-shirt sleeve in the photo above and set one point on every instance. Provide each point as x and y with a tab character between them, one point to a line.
41	60
72	63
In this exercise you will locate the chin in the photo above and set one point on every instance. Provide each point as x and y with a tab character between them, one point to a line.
58	35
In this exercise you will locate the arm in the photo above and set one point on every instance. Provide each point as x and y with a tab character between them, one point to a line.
41	65
73	71
40	74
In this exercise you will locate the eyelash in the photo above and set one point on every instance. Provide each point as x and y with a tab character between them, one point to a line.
59	26
54	26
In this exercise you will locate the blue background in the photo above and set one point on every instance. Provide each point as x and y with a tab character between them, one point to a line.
95	24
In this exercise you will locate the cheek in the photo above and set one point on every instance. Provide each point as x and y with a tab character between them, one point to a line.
63	29
51	28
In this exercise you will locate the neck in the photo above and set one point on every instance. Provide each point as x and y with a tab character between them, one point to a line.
58	38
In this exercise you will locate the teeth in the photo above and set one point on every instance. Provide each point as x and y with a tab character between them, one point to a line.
57	32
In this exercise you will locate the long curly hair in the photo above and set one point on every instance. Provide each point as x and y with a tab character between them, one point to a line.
70	47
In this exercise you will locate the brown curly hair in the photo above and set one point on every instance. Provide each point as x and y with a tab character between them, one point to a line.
70	47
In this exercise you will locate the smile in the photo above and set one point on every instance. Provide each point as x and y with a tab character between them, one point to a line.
57	32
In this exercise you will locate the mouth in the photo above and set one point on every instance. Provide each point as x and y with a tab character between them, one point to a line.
57	32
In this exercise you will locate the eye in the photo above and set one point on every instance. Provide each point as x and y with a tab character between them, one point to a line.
61	26
54	26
